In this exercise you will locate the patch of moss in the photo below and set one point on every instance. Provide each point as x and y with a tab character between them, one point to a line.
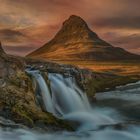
20	106
19	79
107	83
22	116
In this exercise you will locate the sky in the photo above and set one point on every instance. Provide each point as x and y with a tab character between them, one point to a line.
26	25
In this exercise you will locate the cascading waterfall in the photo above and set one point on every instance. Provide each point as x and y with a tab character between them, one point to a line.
44	90
67	97
66	100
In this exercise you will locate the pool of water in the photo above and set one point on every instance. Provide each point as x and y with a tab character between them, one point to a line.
115	116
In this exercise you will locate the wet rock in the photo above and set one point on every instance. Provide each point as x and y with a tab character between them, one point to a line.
17	97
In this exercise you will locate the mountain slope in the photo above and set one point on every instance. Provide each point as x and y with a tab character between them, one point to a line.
75	41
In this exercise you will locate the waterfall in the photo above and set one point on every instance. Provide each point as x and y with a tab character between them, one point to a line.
67	97
44	90
67	101
64	99
64	96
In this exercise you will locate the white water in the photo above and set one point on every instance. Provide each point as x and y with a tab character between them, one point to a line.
129	92
132	133
67	97
68	101
44	90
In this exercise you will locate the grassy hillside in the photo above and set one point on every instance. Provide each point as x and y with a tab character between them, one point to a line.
119	67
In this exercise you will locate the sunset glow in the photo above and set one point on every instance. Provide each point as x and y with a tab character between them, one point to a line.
26	25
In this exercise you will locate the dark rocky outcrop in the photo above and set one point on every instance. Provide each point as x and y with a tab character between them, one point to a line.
17	98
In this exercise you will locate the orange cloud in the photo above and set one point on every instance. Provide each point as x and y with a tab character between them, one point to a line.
37	21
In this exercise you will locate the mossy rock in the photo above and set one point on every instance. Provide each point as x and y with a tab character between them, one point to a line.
19	104
101	84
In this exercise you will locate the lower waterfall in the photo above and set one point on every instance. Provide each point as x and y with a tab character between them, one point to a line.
64	99
66	96
104	120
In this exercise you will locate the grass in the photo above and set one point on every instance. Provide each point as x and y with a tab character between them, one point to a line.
120	68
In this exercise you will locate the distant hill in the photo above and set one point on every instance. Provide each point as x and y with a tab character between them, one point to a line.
76	41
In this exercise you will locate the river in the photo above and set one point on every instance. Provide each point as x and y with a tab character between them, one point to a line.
114	116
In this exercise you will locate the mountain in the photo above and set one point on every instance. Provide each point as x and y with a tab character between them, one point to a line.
76	41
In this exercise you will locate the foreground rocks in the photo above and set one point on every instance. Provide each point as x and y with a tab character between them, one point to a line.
17	99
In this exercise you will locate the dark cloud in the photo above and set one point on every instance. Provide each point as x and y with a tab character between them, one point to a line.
9	32
19	50
119	22
10	35
128	42
5	19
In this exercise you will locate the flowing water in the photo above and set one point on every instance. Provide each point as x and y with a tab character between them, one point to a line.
64	99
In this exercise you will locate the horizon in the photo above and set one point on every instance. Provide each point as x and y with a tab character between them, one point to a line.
28	25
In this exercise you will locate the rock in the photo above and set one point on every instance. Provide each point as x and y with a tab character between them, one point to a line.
1	49
17	103
17	98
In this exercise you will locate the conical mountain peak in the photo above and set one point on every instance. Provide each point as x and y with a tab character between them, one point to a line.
75	29
76	41
76	21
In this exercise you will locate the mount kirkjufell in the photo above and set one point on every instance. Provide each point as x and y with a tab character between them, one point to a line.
76	41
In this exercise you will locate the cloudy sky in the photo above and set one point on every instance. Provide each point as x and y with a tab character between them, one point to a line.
27	24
